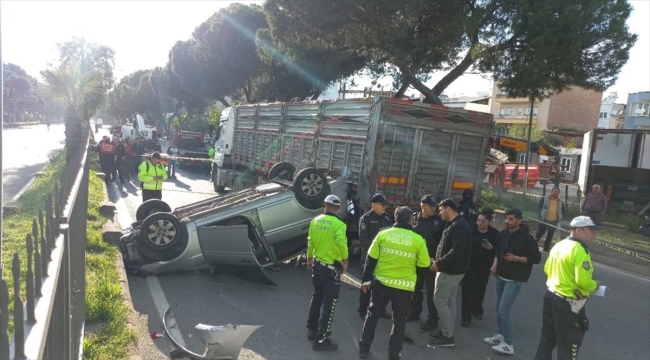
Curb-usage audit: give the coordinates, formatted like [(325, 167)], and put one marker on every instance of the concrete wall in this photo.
[(575, 108)]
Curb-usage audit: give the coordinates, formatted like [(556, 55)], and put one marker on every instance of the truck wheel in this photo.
[(283, 170), (310, 185), (151, 206), (161, 232)]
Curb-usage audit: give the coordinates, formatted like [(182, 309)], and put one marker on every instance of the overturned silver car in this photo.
[(260, 226)]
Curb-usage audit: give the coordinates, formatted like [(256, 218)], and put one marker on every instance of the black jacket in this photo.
[(370, 224), (483, 258), (430, 228), (454, 251), (521, 244), (467, 209)]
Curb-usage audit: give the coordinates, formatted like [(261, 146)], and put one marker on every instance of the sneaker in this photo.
[(311, 335), (504, 348), (494, 340), (443, 341), (478, 317), (325, 345), (465, 323), (435, 334)]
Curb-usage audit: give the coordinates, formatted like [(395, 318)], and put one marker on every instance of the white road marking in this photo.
[(156, 290), (598, 265)]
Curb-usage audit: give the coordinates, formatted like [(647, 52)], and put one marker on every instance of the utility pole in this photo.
[(530, 132)]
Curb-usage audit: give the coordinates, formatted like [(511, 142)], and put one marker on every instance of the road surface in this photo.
[(26, 151), (620, 322)]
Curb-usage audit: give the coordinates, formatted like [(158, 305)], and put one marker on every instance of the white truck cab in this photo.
[(223, 149)]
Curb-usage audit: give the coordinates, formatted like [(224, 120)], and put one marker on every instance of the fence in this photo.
[(50, 323), (571, 194)]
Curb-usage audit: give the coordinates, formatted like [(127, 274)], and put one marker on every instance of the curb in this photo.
[(132, 318)]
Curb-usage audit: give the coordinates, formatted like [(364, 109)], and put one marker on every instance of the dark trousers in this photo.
[(107, 165), (561, 328), (473, 292), (596, 216), (401, 302), (151, 194), (118, 170), (425, 286), (549, 230), (327, 283), (364, 298)]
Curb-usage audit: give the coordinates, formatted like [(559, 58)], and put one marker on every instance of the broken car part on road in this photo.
[(221, 341)]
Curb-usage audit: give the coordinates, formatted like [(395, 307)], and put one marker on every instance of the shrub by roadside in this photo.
[(107, 333), (19, 223)]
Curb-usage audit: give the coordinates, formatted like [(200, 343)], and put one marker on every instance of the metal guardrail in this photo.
[(49, 324)]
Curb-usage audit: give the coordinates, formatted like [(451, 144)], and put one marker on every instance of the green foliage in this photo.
[(557, 44), (520, 131), (18, 224), (108, 335), (22, 99), (581, 42)]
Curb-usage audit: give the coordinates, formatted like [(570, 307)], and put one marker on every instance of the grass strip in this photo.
[(107, 333), (528, 205), (18, 224)]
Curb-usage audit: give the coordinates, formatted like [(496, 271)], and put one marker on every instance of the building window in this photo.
[(520, 112), (640, 109), (566, 165), (522, 158), (506, 111), (501, 130), (527, 111)]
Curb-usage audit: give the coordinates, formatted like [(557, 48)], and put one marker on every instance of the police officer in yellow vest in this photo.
[(394, 257), (151, 174), (569, 270), (327, 258)]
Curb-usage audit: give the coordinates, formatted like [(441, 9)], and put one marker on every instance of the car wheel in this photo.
[(151, 206), (283, 170), (160, 232), (310, 185)]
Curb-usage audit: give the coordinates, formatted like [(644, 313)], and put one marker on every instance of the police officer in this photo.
[(327, 258), (394, 258), (467, 209), (369, 226), (428, 224), (569, 270)]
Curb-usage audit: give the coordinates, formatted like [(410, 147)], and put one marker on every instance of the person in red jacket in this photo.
[(106, 150), (129, 156)]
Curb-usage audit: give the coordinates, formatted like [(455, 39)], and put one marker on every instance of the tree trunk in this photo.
[(317, 94), (223, 101), (430, 96), (402, 90)]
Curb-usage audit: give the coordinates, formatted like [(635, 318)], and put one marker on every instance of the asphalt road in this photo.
[(25, 151), (620, 322)]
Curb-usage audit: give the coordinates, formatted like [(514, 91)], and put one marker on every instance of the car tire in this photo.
[(161, 232), (151, 206), (311, 187), (282, 169)]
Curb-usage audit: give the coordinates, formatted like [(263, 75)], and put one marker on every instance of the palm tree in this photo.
[(79, 92)]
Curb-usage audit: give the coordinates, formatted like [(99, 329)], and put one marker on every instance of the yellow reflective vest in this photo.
[(146, 173)]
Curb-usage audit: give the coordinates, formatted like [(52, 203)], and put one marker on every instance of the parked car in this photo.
[(260, 226)]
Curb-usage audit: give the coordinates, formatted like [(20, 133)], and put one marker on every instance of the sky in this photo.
[(143, 32)]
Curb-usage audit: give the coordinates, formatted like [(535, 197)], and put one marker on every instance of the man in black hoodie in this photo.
[(430, 226), (515, 253), (451, 263)]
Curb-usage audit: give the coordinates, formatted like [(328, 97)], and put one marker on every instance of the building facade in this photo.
[(612, 115), (637, 113), (576, 108)]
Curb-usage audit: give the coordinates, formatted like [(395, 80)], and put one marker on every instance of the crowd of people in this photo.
[(430, 254), (120, 158)]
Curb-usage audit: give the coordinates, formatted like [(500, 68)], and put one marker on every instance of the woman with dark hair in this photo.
[(476, 279)]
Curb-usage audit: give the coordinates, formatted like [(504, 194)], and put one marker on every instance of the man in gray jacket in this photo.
[(549, 212)]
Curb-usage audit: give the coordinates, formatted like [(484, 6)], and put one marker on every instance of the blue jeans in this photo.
[(171, 168), (507, 292)]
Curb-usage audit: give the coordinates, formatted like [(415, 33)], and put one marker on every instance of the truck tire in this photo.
[(284, 170), (160, 236), (151, 206), (311, 187)]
